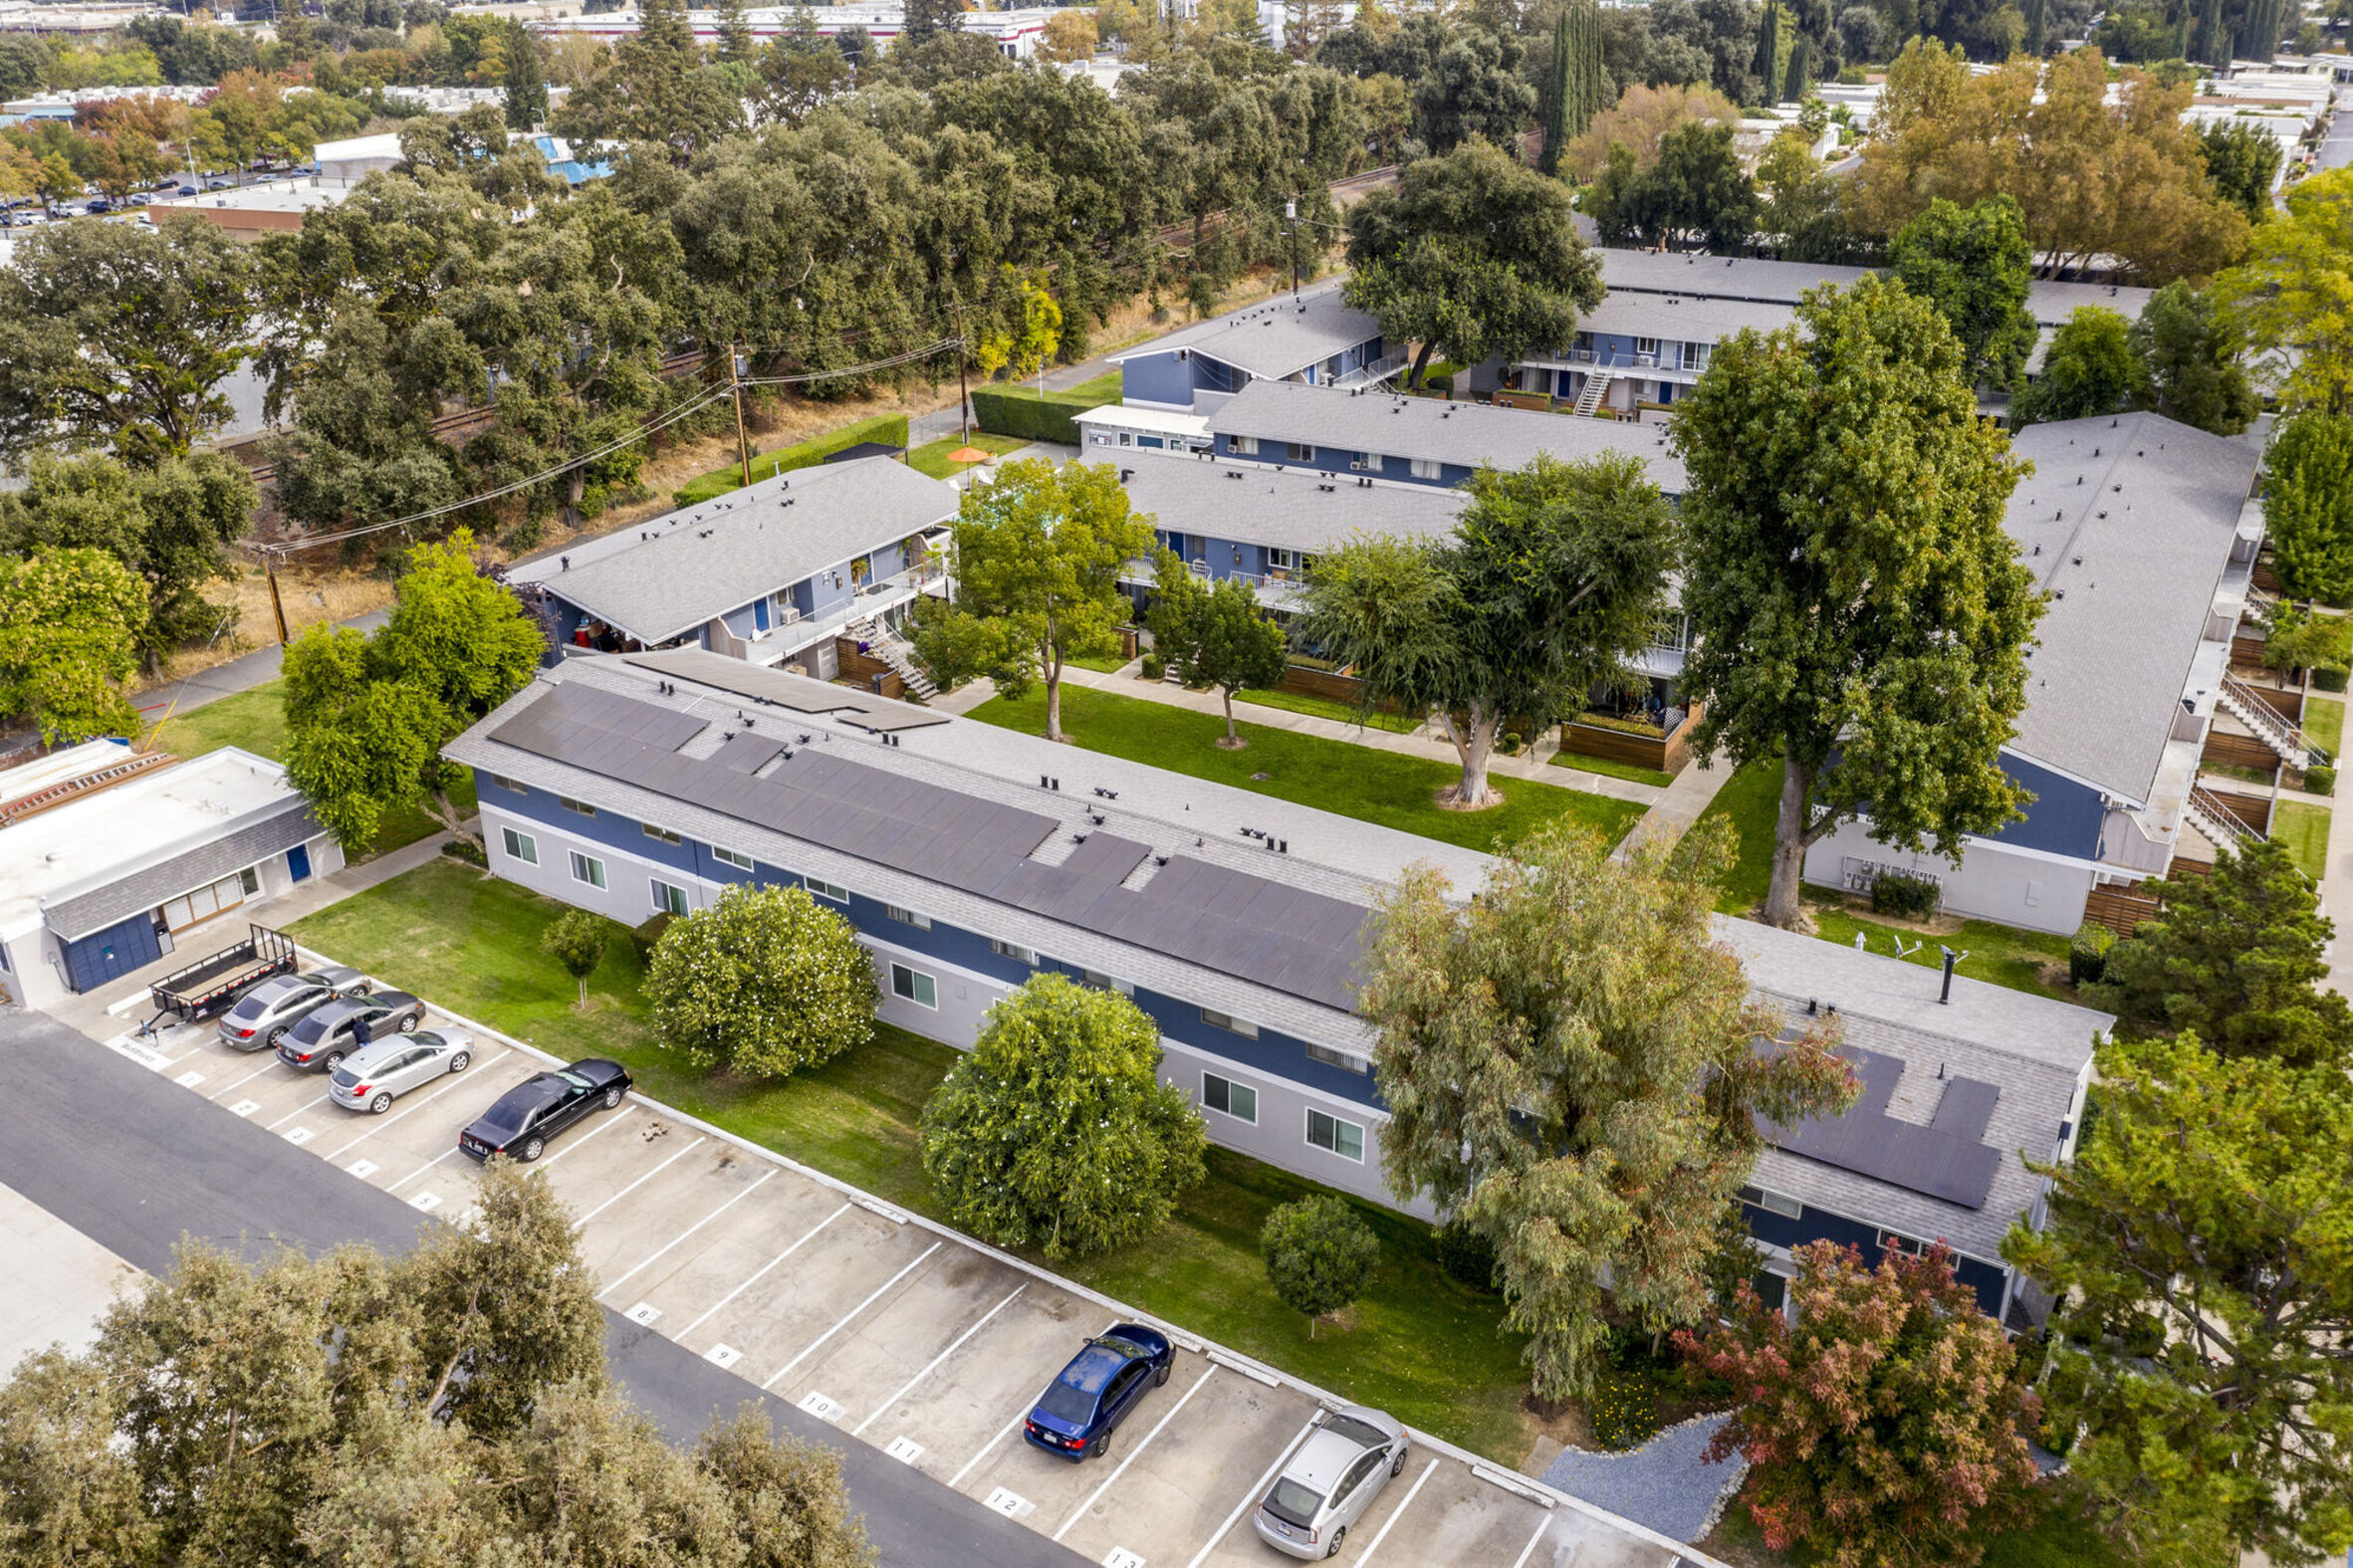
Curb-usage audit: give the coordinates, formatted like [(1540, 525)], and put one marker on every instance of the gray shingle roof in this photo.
[(1424, 427), (80, 912), (1252, 504), (2132, 519), (1278, 338), (677, 571), (1783, 282)]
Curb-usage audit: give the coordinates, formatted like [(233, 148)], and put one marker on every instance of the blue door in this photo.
[(297, 862), (760, 614)]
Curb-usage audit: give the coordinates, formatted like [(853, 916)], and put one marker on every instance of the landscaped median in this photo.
[(1417, 1343)]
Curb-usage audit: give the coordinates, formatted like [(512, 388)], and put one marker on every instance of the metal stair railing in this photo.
[(2273, 727), (2220, 826)]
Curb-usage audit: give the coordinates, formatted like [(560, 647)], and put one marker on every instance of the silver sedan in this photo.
[(1331, 1482), (371, 1077)]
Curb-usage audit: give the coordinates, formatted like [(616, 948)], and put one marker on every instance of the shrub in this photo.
[(765, 982), (1510, 745), (1905, 894), (1154, 667), (1467, 1257), (467, 850), (2321, 781), (1625, 1410), (1319, 1256), (2087, 954), (2329, 677), (1602, 721), (647, 936), (1014, 411)]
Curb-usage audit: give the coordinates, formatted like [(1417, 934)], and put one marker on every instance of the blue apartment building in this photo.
[(970, 858), (1311, 340)]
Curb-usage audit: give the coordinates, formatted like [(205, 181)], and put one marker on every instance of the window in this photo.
[(662, 833), (1228, 1098), (1280, 560), (833, 890), (1772, 1202), (1230, 1023), (1646, 346), (589, 869), (907, 917), (250, 879), (1903, 1243), (1242, 446), (1127, 438), (1102, 982), (668, 898), (1426, 468), (1012, 950), (733, 858), (520, 846), (1345, 1060), (1345, 1139), (580, 807), (919, 989), (1298, 451), (1696, 355), (504, 782)]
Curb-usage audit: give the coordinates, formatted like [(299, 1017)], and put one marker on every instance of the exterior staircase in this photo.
[(1596, 388), (2216, 825), (895, 652), (2274, 729)]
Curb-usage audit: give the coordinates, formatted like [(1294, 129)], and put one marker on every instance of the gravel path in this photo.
[(1662, 1484)]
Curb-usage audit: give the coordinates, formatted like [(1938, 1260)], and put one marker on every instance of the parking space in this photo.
[(904, 1337)]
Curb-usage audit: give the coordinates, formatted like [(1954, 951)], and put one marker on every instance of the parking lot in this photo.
[(901, 1335)]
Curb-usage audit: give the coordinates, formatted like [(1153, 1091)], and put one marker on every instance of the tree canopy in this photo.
[(2089, 369), (1858, 611), (2308, 503), (764, 983), (1694, 196), (2287, 301), (1318, 1255), (1216, 635), (70, 625), (2190, 360), (1975, 265)]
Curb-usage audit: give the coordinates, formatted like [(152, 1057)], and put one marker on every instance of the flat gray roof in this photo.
[(2128, 524), (1277, 338), (665, 578), (1745, 277), (1424, 427), (1294, 510)]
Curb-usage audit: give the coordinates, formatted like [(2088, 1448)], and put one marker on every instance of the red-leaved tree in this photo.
[(1888, 1425)]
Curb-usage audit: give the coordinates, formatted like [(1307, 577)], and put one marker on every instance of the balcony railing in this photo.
[(1379, 370)]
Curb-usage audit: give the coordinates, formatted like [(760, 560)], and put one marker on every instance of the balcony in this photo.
[(1379, 370)]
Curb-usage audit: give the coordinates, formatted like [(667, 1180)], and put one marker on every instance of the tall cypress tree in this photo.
[(1768, 43), (1588, 78), (1800, 80), (2038, 15), (1557, 95), (2207, 44)]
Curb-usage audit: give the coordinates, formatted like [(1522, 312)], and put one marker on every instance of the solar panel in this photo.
[(1967, 1106), (1937, 1160), (747, 753), (800, 693)]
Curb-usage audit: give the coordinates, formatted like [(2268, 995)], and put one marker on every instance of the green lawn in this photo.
[(890, 429), (1327, 708), (1370, 786), (2324, 723), (1419, 1344), (256, 721), (2303, 829), (1100, 663), (1104, 390), (1632, 773), (932, 456), (1752, 798)]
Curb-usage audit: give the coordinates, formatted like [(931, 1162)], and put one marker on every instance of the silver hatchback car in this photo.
[(371, 1077), (1331, 1482)]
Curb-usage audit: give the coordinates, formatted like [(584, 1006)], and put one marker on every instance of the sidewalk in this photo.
[(1680, 804)]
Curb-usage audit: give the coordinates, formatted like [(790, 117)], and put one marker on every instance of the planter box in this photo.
[(1669, 753)]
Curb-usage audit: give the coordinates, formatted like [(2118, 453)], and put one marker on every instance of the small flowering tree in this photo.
[(1887, 1426), (766, 982)]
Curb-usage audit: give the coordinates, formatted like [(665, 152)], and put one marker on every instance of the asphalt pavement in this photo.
[(118, 1152)]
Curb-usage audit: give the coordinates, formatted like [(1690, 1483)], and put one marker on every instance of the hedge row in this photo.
[(1016, 411), (890, 429)]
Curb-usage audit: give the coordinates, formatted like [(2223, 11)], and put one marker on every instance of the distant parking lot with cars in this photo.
[(932, 1348)]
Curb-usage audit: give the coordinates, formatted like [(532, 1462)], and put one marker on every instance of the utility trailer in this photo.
[(212, 984)]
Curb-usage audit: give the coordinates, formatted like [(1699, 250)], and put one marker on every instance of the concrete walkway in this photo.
[(1680, 804)]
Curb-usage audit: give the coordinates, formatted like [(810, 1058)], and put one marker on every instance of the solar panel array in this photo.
[(1942, 1160), (783, 689), (1290, 940)]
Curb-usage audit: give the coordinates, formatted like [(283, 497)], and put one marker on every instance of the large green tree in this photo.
[(1694, 195), (764, 983), (1572, 1068), (1472, 252), (2242, 160), (659, 91), (1217, 635), (2288, 302), (1974, 264), (1859, 611), (2308, 503), (1557, 577), (2090, 370), (70, 625), (2192, 361), (1036, 560), (1054, 1130), (2200, 1356)]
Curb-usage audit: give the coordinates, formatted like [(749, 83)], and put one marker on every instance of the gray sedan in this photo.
[(1331, 1482), (263, 1015), (371, 1078)]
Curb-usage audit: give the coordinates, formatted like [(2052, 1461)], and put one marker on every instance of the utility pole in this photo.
[(963, 386), (277, 604), (1291, 212), (734, 382)]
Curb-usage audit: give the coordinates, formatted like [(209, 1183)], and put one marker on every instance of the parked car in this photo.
[(264, 1014), (372, 1076), (521, 1120), (1078, 1410), (1331, 1481), (323, 1039), (100, 204), (187, 191)]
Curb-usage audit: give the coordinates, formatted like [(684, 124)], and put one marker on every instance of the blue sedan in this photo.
[(1103, 1382)]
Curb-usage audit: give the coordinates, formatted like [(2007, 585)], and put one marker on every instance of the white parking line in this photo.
[(1080, 1512), (420, 1170), (376, 1124), (1528, 1550), (764, 1268), (932, 1365), (1390, 1523), (610, 1122), (248, 1078), (583, 1219), (697, 1226), (843, 1321), (297, 1111), (1249, 1498), (1002, 1432)]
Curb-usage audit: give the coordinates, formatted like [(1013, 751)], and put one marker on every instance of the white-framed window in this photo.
[(1242, 446), (1014, 951), (914, 986), (1298, 451), (577, 808), (1646, 346), (1228, 1098), (668, 898), (732, 857), (1427, 468), (589, 869), (1772, 1202), (520, 846), (662, 833), (1345, 1060), (1230, 1023), (1102, 982), (250, 879), (1281, 559), (1893, 1242), (834, 891), (504, 782), (1127, 438), (1343, 1138), (1697, 355), (907, 917)]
